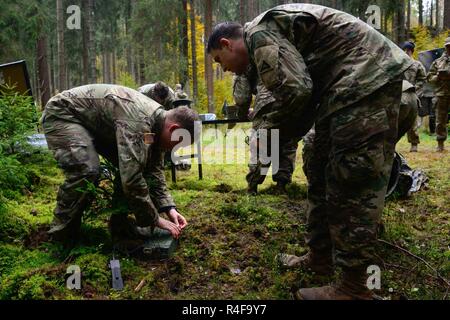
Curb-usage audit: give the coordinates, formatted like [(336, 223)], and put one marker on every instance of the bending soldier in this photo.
[(128, 129), (328, 68)]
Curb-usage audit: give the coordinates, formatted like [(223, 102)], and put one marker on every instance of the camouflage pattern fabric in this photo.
[(417, 76), (243, 88), (327, 68), (148, 90), (408, 119), (348, 160), (441, 87), (442, 90), (294, 46), (113, 121), (442, 110), (287, 157), (179, 93)]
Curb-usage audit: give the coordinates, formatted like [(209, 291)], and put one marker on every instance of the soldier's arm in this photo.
[(156, 181), (432, 76), (420, 79), (242, 94), (131, 154), (282, 71)]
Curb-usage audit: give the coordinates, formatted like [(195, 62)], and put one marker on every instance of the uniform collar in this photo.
[(156, 120)]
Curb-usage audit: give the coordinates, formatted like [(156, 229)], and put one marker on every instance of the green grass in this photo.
[(228, 231)]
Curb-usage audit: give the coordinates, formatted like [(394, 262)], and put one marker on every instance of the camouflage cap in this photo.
[(447, 41)]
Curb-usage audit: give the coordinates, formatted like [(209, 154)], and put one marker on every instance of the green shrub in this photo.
[(18, 116), (13, 177)]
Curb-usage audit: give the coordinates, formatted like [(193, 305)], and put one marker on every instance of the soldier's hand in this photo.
[(177, 218), (169, 226)]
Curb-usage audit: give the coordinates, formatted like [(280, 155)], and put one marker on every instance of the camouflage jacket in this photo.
[(244, 87), (309, 55), (417, 75), (148, 90), (119, 117), (441, 87)]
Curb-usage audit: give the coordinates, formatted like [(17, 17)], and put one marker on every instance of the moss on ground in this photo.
[(228, 250)]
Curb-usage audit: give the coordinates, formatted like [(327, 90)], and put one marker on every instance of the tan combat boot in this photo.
[(319, 263), (414, 148), (352, 287), (440, 147)]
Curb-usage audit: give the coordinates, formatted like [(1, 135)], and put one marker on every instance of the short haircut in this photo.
[(228, 30), (408, 45), (161, 90), (186, 118)]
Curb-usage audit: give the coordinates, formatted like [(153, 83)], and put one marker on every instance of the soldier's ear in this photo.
[(173, 127), (224, 43)]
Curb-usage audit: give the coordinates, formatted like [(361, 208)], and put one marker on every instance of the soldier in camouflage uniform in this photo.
[(128, 129), (160, 92), (439, 77), (243, 89), (179, 93), (409, 107), (417, 76), (329, 68)]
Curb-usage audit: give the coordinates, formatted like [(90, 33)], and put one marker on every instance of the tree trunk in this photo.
[(35, 80), (250, 10), (52, 70), (401, 22), (395, 27), (60, 41), (193, 51), (431, 14), (242, 17), (208, 58), (43, 72), (137, 68), (112, 53), (85, 30), (362, 7), (114, 75), (104, 76), (446, 14), (91, 43), (421, 12), (141, 67), (438, 15), (408, 19), (128, 50), (184, 74), (108, 66)]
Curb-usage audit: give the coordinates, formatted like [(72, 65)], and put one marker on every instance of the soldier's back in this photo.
[(347, 59)]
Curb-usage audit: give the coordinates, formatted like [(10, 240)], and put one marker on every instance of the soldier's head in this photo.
[(227, 47), (408, 47), (447, 45), (161, 91), (179, 128)]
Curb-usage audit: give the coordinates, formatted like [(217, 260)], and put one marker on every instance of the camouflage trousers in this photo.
[(442, 109), (413, 133), (74, 150), (287, 156), (348, 161), (408, 120)]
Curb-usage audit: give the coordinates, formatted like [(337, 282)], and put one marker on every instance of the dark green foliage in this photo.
[(17, 117)]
